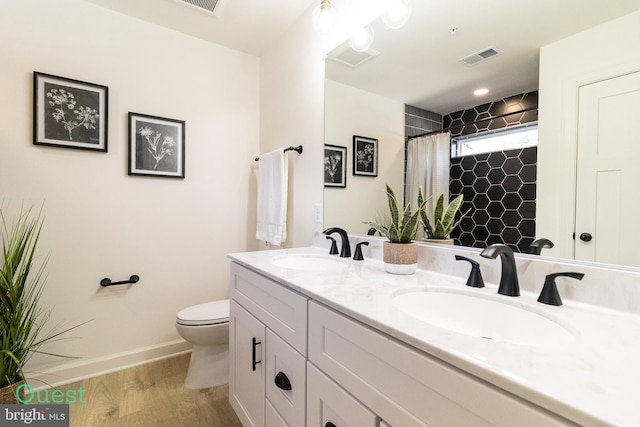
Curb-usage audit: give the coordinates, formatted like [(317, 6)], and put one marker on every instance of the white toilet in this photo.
[(206, 326)]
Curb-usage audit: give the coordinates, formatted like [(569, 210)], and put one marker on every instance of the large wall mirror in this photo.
[(418, 68)]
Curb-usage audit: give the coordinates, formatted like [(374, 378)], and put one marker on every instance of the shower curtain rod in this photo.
[(434, 132)]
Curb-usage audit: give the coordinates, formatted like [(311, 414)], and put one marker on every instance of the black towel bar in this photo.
[(292, 148), (107, 282)]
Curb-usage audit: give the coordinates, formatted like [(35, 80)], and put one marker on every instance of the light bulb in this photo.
[(397, 13), (324, 17), (361, 40)]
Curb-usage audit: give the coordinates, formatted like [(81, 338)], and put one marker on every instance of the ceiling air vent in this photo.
[(351, 58), (481, 56), (213, 7)]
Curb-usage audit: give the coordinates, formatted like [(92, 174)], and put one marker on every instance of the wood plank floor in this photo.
[(150, 395)]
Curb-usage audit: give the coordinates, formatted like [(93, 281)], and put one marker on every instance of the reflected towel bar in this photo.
[(292, 148), (107, 282)]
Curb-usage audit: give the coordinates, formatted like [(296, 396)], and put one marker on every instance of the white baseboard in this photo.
[(88, 368)]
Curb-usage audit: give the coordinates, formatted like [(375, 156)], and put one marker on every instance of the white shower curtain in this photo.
[(428, 166)]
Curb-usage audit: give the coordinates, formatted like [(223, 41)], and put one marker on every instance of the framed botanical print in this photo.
[(69, 113), (156, 146), (365, 156), (335, 166)]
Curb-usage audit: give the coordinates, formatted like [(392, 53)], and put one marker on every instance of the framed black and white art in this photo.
[(156, 146), (69, 113), (335, 166), (365, 156)]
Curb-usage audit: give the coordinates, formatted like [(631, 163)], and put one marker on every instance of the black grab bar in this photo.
[(107, 282)]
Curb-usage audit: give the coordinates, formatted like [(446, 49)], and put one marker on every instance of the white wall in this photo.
[(349, 112), (605, 51), (173, 233), (291, 113)]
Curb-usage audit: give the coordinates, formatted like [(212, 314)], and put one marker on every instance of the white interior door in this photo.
[(608, 171)]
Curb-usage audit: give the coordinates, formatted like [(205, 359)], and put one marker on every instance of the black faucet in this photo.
[(475, 276), (345, 251), (509, 280), (537, 245), (549, 294), (358, 253)]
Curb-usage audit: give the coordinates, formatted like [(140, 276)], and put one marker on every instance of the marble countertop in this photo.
[(591, 378)]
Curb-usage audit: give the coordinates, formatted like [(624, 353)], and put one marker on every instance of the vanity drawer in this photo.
[(329, 404), (280, 309), (271, 417), (285, 364), (406, 387)]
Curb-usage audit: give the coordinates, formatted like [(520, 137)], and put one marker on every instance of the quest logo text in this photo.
[(42, 408)]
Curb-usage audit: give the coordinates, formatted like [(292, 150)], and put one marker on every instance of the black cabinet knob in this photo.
[(586, 237), (282, 381)]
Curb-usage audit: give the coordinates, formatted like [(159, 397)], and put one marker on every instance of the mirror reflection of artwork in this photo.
[(335, 166), (365, 156)]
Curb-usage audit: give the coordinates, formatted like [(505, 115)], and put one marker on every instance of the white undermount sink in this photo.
[(487, 318), (309, 262)]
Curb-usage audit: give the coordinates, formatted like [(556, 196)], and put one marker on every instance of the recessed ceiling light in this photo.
[(481, 91)]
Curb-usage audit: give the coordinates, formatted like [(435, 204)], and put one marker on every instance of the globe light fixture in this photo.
[(397, 13), (361, 40), (324, 17)]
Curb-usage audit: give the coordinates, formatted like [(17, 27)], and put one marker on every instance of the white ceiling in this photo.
[(250, 26), (419, 63)]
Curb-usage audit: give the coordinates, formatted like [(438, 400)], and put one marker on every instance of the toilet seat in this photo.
[(209, 313)]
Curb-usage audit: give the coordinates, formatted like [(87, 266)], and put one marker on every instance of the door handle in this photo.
[(282, 381), (254, 362), (586, 237)]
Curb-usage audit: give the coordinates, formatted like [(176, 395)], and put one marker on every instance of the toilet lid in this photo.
[(205, 314)]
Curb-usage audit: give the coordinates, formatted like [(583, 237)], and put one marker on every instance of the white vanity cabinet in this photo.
[(267, 351), (295, 362), (246, 372), (405, 387)]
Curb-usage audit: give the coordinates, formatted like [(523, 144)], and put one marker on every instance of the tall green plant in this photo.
[(443, 220), (399, 226), (22, 319)]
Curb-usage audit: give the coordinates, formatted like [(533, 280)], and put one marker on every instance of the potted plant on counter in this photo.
[(443, 220), (22, 318), (400, 252)]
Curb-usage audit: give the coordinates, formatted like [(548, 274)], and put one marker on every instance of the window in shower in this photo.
[(502, 140)]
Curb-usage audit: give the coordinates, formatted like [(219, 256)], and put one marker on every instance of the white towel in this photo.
[(272, 198)]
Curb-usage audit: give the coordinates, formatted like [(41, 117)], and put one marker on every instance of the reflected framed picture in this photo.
[(69, 113), (365, 156), (156, 146), (335, 166)]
